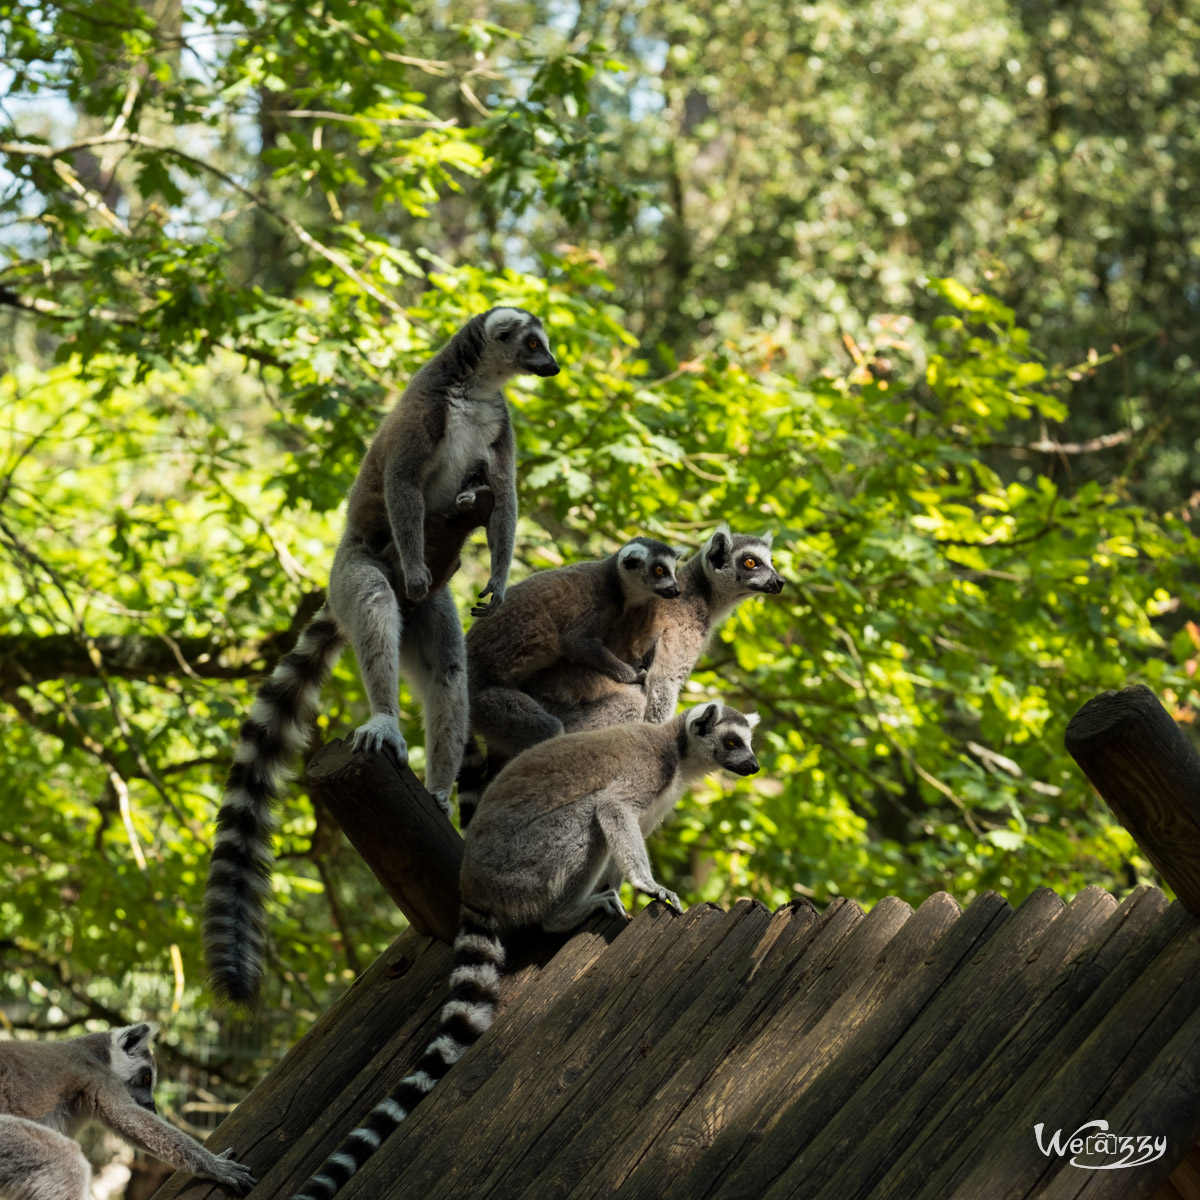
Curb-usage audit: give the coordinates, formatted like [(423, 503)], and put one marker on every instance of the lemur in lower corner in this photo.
[(449, 436), (728, 569), (599, 616), (555, 827), (51, 1090)]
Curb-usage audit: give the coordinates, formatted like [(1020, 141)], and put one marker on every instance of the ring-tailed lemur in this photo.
[(51, 1090), (729, 568), (448, 440), (567, 615), (554, 825)]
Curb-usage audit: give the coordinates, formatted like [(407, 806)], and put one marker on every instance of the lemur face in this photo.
[(647, 569), (520, 341), (744, 561), (133, 1062), (725, 733)]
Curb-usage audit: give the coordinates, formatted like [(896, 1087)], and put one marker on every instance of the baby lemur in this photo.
[(51, 1090), (447, 445), (557, 822), (729, 568), (567, 615)]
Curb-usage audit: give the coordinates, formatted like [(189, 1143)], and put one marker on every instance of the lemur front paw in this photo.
[(496, 591), (382, 730), (442, 800), (236, 1176), (417, 583), (660, 893), (609, 902), (624, 673)]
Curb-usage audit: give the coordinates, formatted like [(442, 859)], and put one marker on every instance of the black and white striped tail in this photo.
[(239, 874), (474, 995), (473, 778)]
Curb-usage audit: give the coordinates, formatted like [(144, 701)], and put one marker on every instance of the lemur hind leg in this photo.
[(511, 720), (366, 608), (434, 657), (37, 1163)]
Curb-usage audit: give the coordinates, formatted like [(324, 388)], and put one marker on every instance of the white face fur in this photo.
[(740, 564), (517, 344), (132, 1062), (725, 734)]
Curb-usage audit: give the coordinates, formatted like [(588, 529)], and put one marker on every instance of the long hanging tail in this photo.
[(239, 874), (471, 1009), (473, 778)]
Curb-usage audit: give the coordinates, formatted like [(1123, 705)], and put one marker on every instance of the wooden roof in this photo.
[(745, 1054)]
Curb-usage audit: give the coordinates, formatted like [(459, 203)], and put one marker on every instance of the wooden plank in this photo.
[(797, 961), (567, 1138), (429, 1157), (1163, 1103), (952, 1035), (402, 835), (720, 1124), (533, 957), (1148, 773), (1184, 1182), (952, 1132), (1099, 1052), (407, 978), (881, 1018)]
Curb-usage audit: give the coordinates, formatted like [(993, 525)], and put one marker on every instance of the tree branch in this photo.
[(333, 257), (25, 658)]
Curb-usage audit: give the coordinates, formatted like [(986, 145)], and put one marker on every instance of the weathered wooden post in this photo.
[(1148, 773), (402, 835)]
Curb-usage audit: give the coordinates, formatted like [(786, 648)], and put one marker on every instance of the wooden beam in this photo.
[(1148, 773), (402, 835)]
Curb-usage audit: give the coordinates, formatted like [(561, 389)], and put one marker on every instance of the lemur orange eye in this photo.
[(750, 563), (659, 571), (731, 742), (532, 343)]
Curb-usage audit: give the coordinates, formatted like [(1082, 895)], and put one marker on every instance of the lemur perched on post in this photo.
[(566, 615), (557, 822), (728, 569), (448, 439), (51, 1090)]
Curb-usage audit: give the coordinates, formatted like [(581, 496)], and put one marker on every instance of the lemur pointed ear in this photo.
[(501, 321), (631, 555), (719, 547), (134, 1037), (768, 537), (752, 719), (702, 719)]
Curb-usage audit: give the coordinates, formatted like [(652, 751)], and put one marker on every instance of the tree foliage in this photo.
[(230, 232)]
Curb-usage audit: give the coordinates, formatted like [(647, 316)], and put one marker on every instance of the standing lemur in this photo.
[(541, 844), (729, 568), (51, 1090), (567, 615), (448, 440)]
